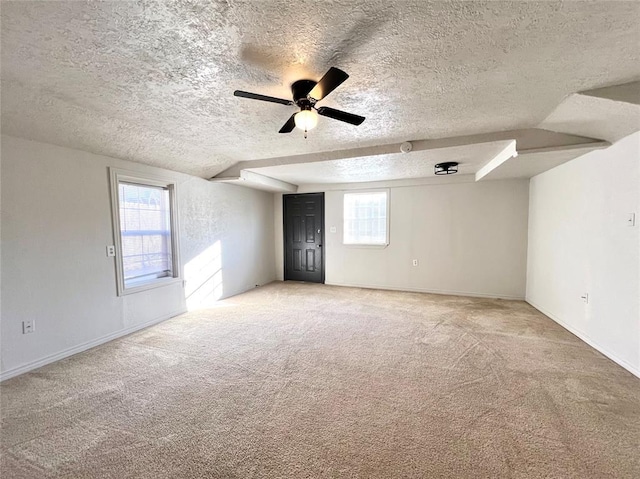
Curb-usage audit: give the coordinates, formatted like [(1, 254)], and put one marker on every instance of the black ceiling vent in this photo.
[(448, 168)]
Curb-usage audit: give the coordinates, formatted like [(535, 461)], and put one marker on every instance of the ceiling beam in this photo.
[(526, 139), (507, 153), (626, 93), (257, 181)]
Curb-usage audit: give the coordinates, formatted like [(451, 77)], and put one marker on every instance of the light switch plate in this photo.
[(28, 327), (631, 221), (333, 229)]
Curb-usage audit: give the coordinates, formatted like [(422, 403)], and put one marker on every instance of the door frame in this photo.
[(284, 234)]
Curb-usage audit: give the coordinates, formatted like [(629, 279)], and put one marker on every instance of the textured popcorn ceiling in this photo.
[(152, 81)]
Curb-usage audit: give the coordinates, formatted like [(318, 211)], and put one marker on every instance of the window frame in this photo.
[(117, 176), (387, 226)]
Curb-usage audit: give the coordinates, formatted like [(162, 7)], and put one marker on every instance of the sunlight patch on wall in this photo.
[(203, 278)]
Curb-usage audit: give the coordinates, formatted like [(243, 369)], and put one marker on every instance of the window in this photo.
[(145, 231), (366, 218)]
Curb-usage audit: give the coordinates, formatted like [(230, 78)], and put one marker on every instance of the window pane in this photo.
[(365, 218), (145, 228)]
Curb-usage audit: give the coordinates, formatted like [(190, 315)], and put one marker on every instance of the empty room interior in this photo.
[(338, 239)]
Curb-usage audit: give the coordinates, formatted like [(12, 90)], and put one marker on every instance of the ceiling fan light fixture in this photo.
[(447, 168), (306, 120)]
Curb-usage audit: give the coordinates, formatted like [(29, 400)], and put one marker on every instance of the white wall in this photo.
[(469, 239), (56, 223), (580, 242)]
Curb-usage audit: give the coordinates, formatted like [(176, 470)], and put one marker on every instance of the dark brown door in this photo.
[(303, 237)]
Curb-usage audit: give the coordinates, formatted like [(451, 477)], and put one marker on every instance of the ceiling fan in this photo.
[(306, 93)]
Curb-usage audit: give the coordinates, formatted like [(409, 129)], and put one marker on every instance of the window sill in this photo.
[(365, 246), (158, 283)]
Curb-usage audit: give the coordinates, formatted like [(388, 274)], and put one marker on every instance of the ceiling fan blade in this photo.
[(289, 125), (340, 115), (255, 96), (329, 82)]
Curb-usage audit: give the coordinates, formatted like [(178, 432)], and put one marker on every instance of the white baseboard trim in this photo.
[(10, 373), (588, 340), (432, 291)]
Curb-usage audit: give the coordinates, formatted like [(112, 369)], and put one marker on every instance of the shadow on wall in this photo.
[(203, 278)]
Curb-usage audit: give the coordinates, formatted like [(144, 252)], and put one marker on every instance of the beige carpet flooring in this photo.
[(297, 380)]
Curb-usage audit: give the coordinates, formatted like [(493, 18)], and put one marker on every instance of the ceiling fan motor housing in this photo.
[(300, 90)]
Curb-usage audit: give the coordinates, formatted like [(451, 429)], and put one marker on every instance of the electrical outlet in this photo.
[(28, 326), (111, 250), (415, 262)]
